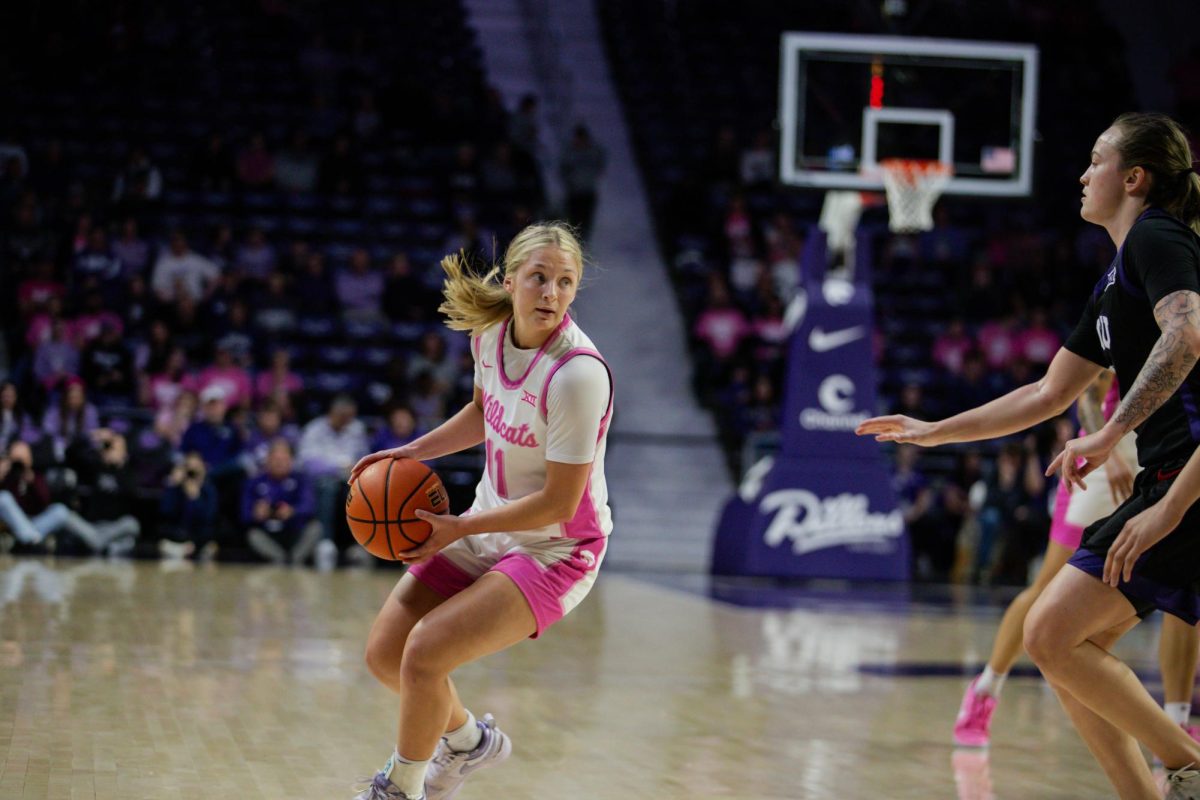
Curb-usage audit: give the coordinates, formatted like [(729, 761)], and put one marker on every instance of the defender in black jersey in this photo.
[(1160, 257), (1144, 320)]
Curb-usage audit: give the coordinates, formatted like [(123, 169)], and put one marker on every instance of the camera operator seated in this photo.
[(26, 509), (277, 507), (188, 511), (112, 490)]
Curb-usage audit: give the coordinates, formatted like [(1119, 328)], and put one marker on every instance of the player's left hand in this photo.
[(1092, 450), (447, 529), (1139, 535)]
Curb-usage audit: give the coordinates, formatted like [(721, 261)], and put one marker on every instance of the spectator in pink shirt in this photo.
[(998, 341), (232, 379), (1038, 343), (94, 318), (721, 327), (278, 383), (42, 324), (161, 390), (951, 346)]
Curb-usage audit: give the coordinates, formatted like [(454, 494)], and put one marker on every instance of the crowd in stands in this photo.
[(215, 312)]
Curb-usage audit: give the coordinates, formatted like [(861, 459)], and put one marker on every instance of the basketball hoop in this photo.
[(913, 186)]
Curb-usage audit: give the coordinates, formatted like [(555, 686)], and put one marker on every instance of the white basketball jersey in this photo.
[(515, 428)]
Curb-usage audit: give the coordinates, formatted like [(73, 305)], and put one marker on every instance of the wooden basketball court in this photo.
[(123, 681)]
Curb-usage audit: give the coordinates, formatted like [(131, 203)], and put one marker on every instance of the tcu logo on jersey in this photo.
[(1103, 332)]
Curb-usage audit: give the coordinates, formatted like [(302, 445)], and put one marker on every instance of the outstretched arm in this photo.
[(1067, 376)]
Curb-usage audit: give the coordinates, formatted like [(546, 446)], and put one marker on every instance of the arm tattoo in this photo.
[(1170, 360), (1088, 407)]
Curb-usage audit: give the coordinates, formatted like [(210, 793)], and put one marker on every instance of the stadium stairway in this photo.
[(665, 470)]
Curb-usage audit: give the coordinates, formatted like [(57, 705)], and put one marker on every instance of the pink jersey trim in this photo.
[(579, 351), (586, 522), (509, 384)]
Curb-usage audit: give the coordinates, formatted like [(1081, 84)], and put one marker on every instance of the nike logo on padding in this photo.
[(820, 341)]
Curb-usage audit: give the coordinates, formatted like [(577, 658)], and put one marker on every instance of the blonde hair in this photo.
[(476, 302)]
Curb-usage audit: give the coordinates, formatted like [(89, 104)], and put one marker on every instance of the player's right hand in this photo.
[(899, 428), (403, 451)]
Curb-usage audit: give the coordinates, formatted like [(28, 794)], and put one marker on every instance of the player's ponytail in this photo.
[(474, 302), (1160, 145), (1189, 204)]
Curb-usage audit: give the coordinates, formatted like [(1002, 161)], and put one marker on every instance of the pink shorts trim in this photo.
[(441, 575), (1061, 531)]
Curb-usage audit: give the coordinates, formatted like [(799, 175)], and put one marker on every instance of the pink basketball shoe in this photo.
[(974, 718)]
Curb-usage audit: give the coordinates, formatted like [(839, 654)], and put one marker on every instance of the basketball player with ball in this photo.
[(529, 548)]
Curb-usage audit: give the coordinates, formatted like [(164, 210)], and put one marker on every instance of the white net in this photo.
[(912, 189)]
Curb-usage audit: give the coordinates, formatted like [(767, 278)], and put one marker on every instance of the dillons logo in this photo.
[(836, 396), (815, 523)]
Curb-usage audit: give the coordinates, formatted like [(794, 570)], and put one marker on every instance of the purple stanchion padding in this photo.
[(824, 506)]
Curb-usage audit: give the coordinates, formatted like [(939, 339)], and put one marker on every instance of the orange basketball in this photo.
[(382, 504)]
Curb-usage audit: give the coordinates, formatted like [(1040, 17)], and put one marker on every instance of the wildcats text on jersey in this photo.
[(494, 414)]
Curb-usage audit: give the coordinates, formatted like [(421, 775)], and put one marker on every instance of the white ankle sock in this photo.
[(1178, 712), (990, 683), (466, 738), (409, 776)]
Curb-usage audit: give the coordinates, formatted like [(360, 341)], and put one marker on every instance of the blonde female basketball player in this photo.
[(1143, 318), (528, 550), (1107, 488)]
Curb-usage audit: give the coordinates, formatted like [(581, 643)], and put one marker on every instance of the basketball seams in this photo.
[(387, 491), (371, 508), (419, 485), (381, 522)]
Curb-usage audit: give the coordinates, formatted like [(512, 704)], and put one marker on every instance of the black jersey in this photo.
[(1160, 255)]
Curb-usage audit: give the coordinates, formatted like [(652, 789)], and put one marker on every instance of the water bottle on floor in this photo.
[(326, 555)]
